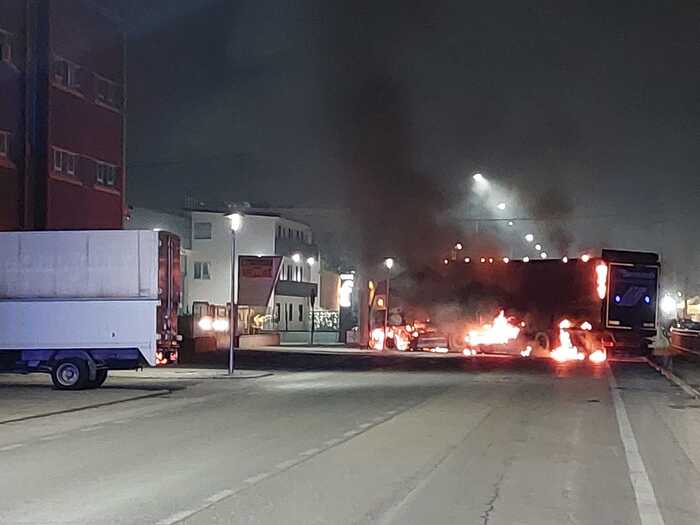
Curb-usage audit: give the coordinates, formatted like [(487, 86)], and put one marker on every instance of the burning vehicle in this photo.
[(564, 309)]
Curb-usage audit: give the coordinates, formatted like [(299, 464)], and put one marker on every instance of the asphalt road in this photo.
[(430, 442)]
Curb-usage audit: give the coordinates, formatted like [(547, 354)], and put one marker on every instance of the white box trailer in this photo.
[(76, 304)]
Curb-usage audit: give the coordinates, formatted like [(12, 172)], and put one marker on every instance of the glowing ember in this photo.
[(469, 352), (598, 356), (586, 326), (601, 272), (500, 332), (566, 351), (439, 350)]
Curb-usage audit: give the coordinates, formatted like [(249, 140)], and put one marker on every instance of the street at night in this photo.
[(400, 439), (349, 262)]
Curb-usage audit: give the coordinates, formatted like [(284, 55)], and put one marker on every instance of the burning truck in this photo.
[(564, 309)]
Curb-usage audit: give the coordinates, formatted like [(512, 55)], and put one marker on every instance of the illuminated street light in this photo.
[(445, 261), (501, 206), (458, 246), (526, 259), (538, 247), (389, 263), (565, 259), (506, 260), (478, 177), (310, 261), (467, 260), (510, 223), (585, 257), (543, 255), (236, 220), (529, 237), (296, 257)]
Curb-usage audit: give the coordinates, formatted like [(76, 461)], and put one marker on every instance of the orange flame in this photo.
[(566, 351), (601, 272), (597, 357), (500, 332)]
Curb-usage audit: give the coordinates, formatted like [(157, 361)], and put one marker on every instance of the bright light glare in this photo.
[(501, 206), (467, 260), (526, 352), (585, 257), (506, 260), (389, 263), (565, 259), (538, 247), (458, 246), (586, 326), (526, 259), (529, 237), (220, 325), (296, 257), (310, 261), (510, 223), (478, 177), (543, 255), (668, 305), (205, 323), (236, 221)]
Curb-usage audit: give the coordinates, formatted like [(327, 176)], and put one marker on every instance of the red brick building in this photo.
[(61, 117)]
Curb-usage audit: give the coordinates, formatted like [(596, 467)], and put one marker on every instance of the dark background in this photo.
[(586, 114)]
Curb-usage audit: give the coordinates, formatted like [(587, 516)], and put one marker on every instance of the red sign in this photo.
[(257, 277)]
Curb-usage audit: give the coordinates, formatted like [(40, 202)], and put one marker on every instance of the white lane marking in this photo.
[(286, 464), (365, 425), (220, 495), (254, 479), (391, 412), (352, 432), (310, 452), (51, 438), (11, 447), (178, 516), (648, 508), (332, 442)]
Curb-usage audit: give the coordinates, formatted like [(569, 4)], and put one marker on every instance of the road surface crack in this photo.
[(491, 503)]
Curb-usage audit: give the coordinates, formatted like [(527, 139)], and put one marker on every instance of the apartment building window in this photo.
[(4, 144), (202, 271), (289, 312), (289, 273), (279, 231), (66, 74), (5, 47), (107, 92), (277, 313), (106, 174), (202, 230), (301, 274), (64, 162), (301, 313)]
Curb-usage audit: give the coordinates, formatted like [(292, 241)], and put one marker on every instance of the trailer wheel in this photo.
[(70, 374), (100, 378)]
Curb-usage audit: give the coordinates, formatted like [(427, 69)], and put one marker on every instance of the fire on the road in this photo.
[(566, 351), (500, 332)]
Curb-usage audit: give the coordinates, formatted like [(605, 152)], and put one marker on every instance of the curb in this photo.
[(157, 393), (691, 391)]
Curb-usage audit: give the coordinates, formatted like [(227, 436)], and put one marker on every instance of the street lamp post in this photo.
[(389, 264), (236, 222), (311, 261)]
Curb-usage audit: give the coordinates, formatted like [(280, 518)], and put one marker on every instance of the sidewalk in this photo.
[(188, 372)]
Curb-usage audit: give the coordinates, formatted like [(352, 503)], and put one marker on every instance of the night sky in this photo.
[(585, 117)]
